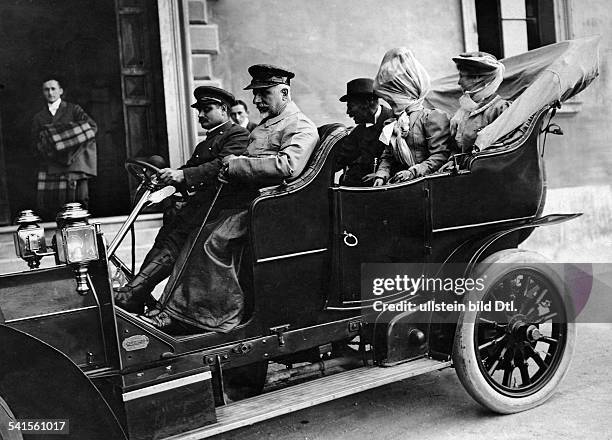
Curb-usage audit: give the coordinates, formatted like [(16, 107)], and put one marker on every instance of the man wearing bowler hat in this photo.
[(359, 151), (197, 179), (208, 295)]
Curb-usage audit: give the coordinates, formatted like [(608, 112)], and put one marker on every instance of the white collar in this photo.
[(54, 106), (376, 116), (245, 123)]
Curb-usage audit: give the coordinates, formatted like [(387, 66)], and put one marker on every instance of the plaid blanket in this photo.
[(56, 189), (60, 142)]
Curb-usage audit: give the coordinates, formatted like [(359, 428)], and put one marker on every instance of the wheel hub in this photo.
[(522, 331)]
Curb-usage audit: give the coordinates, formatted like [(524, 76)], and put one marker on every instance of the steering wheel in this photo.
[(145, 172)]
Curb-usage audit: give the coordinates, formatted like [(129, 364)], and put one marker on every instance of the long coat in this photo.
[(203, 167), (201, 172), (466, 132), (429, 141), (278, 149)]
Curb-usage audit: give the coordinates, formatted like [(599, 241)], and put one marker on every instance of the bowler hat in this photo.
[(358, 87), (266, 75), (212, 95), (476, 62)]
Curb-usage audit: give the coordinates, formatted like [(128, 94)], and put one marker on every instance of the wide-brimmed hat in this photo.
[(267, 75), (212, 95), (359, 87), (477, 62)]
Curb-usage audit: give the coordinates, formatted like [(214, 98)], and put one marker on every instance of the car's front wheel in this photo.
[(7, 429), (513, 360)]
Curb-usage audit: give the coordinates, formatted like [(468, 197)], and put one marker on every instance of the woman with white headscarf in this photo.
[(417, 143), (480, 74)]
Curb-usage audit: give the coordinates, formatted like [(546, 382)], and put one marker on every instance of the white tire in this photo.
[(510, 362)]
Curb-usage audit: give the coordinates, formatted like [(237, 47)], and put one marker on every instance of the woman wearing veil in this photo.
[(480, 75), (417, 143)]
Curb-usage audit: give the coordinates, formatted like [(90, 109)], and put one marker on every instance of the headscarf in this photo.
[(403, 82), (491, 73)]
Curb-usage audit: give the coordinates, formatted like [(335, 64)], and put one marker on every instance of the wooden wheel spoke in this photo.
[(536, 301), (526, 380), (507, 376), (497, 361), (492, 342), (545, 317), (533, 354), (549, 340), (489, 322)]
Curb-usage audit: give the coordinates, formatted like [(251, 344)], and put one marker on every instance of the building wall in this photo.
[(583, 155), (329, 42)]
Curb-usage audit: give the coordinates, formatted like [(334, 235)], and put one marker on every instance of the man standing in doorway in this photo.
[(63, 136)]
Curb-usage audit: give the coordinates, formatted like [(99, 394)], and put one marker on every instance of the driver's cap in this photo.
[(212, 95)]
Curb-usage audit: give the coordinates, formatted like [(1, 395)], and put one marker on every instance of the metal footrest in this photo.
[(266, 406)]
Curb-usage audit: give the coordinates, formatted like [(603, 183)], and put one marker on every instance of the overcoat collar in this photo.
[(218, 129), (290, 109)]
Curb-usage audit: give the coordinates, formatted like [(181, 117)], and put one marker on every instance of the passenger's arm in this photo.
[(386, 164), (198, 175), (298, 141), (493, 112), (438, 138)]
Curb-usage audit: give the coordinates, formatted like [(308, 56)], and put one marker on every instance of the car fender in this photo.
[(39, 382), (578, 277)]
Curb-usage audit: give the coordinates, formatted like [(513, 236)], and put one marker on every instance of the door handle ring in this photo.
[(350, 240)]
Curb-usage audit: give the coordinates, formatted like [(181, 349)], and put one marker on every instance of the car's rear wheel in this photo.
[(7, 416), (511, 361)]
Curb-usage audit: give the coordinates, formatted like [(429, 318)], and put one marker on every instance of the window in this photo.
[(508, 27)]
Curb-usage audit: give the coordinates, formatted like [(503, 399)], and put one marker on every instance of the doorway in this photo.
[(79, 42)]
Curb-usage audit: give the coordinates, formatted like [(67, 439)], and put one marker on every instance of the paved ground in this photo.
[(435, 406)]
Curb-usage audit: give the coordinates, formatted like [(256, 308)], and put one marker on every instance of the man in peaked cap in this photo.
[(197, 178), (279, 148), (359, 151)]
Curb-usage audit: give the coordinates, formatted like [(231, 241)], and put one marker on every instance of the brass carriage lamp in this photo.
[(29, 238), (76, 242)]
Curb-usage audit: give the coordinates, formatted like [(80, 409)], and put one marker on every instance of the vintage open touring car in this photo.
[(67, 354)]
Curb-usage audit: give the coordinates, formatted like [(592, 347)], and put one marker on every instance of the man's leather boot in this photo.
[(156, 267)]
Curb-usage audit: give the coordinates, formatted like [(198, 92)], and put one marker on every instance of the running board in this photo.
[(293, 398)]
